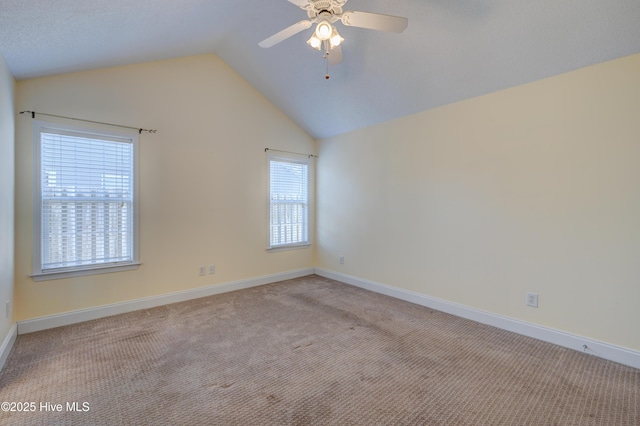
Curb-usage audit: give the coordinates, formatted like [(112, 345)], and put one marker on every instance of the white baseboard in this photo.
[(601, 349), (74, 317), (7, 345)]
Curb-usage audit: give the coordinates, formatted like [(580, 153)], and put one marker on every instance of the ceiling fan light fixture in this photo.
[(314, 42), (324, 30), (336, 39)]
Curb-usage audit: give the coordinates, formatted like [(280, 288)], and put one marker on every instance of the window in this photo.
[(85, 208), (288, 202)]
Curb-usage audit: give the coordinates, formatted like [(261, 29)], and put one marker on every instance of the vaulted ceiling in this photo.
[(451, 50)]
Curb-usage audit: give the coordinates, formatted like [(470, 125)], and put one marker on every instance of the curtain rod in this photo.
[(290, 152), (140, 130)]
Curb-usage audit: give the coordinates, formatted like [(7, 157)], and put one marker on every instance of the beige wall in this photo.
[(534, 188), (7, 204), (203, 178)]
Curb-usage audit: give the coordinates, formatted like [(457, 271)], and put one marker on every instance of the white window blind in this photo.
[(288, 202), (87, 200)]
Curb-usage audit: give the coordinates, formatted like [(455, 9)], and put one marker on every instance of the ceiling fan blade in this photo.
[(375, 21), (335, 55), (285, 34), (303, 4)]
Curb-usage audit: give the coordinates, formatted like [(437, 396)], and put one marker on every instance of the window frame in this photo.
[(38, 274), (299, 159)]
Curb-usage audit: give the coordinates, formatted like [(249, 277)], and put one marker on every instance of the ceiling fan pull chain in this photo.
[(325, 44), (327, 76)]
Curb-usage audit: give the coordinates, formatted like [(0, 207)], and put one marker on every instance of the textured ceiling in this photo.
[(451, 50)]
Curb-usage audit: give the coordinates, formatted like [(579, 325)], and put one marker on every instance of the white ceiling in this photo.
[(451, 50)]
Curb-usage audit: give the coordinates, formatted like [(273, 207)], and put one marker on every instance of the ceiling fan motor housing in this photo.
[(330, 10)]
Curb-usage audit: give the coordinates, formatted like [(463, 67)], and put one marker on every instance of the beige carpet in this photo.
[(308, 351)]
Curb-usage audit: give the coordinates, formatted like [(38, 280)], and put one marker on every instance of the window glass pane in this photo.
[(289, 187), (86, 200)]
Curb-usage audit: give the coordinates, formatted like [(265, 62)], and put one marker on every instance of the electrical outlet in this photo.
[(212, 269), (202, 271), (341, 260), (532, 300)]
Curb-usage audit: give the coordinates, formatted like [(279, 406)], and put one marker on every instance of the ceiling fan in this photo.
[(326, 37)]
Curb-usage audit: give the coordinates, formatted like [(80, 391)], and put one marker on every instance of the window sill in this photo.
[(289, 247), (57, 275)]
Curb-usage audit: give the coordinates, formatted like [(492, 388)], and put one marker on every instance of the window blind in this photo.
[(289, 202), (87, 200)]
